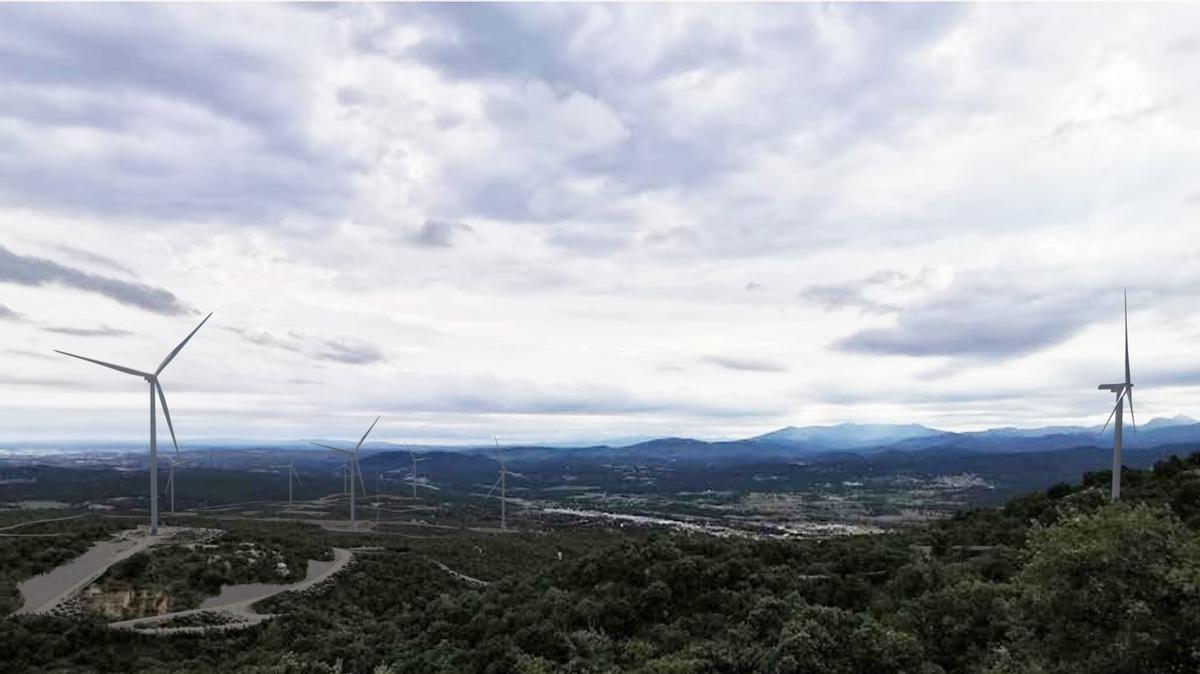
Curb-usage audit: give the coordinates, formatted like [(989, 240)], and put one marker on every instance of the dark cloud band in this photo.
[(979, 317), (35, 271), (745, 364), (332, 350)]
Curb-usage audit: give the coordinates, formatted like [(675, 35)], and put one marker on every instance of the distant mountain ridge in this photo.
[(870, 438), (1164, 422), (848, 436)]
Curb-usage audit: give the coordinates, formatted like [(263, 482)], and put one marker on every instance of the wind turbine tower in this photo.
[(412, 475), (156, 389), (1122, 390), (353, 467), (291, 473), (378, 494), (503, 484)]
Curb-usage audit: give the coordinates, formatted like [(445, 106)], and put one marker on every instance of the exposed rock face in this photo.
[(119, 604)]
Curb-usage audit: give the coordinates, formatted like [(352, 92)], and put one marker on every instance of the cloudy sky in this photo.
[(563, 223)]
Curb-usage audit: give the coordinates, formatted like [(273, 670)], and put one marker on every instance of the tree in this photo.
[(1102, 592), (827, 640), (962, 624)]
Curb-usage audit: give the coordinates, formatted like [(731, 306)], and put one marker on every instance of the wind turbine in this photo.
[(171, 478), (503, 484), (412, 475), (291, 467), (353, 454), (1122, 390), (378, 494), (155, 388)]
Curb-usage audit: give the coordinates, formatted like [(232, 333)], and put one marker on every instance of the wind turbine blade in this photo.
[(176, 350), (493, 488), (118, 368), (364, 437), (516, 475), (297, 476), (1132, 419), (336, 449), (1128, 381), (162, 398), (1116, 407), (362, 484)]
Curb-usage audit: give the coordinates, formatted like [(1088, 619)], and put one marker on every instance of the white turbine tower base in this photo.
[(155, 390), (1122, 390), (291, 472)]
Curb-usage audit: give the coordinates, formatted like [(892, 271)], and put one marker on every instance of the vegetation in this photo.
[(201, 619), (1057, 582)]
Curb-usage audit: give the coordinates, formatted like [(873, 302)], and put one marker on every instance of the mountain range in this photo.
[(872, 438), (869, 438)]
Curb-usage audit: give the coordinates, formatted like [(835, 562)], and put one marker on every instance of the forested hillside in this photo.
[(1060, 581)]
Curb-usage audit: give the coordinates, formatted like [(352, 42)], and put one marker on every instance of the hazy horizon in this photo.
[(202, 443)]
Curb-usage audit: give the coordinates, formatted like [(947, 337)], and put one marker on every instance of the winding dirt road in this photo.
[(459, 575), (44, 592), (235, 601), (52, 519)]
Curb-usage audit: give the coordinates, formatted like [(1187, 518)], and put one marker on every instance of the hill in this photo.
[(847, 436)]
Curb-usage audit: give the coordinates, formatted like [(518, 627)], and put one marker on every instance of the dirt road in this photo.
[(43, 592), (52, 519), (235, 601)]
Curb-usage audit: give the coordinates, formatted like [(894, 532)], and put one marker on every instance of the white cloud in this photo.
[(595, 188)]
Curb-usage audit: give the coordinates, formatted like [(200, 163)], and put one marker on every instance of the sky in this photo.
[(579, 223)]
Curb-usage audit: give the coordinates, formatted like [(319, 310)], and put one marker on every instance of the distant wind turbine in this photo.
[(155, 389), (503, 484), (412, 475), (1122, 390), (171, 478), (291, 473), (353, 454)]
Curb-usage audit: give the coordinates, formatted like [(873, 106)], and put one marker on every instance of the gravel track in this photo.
[(236, 600)]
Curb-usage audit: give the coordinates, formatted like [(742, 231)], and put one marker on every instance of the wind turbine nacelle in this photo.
[(1115, 388)]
